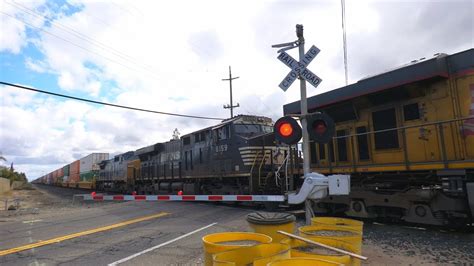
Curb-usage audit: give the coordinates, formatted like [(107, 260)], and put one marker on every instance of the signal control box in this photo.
[(339, 184)]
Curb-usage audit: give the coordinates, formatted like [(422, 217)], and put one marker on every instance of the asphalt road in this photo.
[(106, 247), (384, 244)]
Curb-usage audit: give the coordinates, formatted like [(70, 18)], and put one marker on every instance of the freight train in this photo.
[(78, 174), (405, 136)]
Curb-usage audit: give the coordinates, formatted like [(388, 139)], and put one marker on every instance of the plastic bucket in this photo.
[(332, 232), (297, 252), (326, 233), (258, 255), (342, 222), (220, 242), (269, 223), (302, 262)]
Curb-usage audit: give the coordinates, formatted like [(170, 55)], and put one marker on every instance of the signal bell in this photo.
[(320, 127), (287, 130)]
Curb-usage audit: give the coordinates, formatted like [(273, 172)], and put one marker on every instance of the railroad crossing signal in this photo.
[(299, 68), (320, 129)]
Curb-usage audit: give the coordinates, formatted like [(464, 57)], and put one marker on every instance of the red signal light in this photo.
[(285, 129), (320, 127)]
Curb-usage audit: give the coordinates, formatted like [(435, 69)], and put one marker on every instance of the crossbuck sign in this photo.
[(299, 68)]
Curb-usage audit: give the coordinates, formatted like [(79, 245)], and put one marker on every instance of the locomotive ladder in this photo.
[(259, 179), (257, 165)]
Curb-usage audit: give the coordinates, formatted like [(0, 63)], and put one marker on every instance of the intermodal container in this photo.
[(91, 162), (74, 178), (55, 174), (55, 177), (89, 176), (60, 172), (66, 173), (50, 179), (60, 178), (74, 167), (66, 170)]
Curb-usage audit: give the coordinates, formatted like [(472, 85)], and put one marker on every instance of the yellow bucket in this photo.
[(302, 262), (220, 242), (318, 232), (296, 244), (325, 234), (269, 223), (258, 255), (342, 222)]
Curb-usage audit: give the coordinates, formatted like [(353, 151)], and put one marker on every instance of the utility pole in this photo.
[(344, 42), (231, 106), (304, 104), (309, 213)]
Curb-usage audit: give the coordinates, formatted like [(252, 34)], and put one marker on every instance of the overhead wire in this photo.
[(80, 35), (90, 40), (77, 45), (107, 104)]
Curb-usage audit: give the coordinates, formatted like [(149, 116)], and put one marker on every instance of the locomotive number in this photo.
[(221, 148)]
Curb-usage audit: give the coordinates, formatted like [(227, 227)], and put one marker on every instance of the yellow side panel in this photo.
[(133, 168), (466, 99), (427, 145), (393, 156)]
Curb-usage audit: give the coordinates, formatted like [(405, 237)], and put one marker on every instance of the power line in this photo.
[(71, 42), (86, 38), (79, 35), (108, 104)]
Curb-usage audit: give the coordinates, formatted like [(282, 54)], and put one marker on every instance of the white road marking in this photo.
[(159, 246), (32, 221)]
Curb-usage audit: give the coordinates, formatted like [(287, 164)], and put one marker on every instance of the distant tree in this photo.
[(12, 175)]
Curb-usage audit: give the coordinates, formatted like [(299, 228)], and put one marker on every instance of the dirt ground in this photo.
[(28, 199), (42, 201), (383, 244)]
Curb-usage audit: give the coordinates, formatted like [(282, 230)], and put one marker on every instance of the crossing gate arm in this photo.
[(243, 198), (315, 186)]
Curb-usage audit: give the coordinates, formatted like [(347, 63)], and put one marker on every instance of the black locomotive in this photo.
[(237, 156)]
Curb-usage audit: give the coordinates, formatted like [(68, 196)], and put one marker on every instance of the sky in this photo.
[(171, 56)]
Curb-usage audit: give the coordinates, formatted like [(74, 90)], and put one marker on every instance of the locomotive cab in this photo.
[(244, 152)]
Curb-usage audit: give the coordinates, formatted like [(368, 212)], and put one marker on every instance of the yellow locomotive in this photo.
[(406, 136)]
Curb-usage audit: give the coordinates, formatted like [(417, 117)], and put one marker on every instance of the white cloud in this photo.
[(13, 31), (37, 66), (12, 36)]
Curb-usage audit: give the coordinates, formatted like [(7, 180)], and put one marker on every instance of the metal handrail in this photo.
[(251, 170), (253, 164), (406, 127), (438, 128), (260, 167)]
